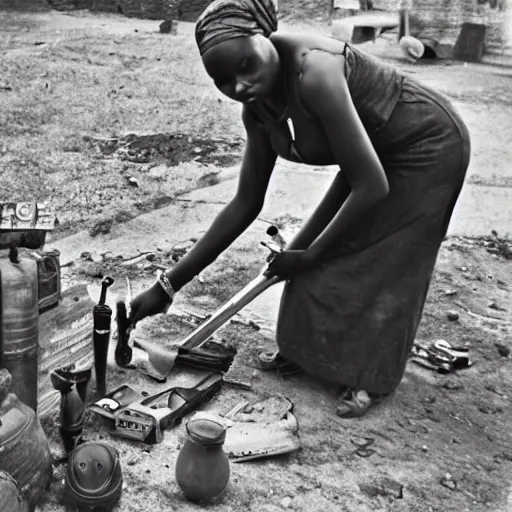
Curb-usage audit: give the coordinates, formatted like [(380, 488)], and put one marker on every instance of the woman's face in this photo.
[(245, 68)]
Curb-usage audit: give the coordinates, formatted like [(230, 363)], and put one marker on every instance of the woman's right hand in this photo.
[(151, 301)]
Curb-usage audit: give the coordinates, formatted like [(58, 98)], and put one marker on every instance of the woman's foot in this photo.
[(354, 404), (274, 361)]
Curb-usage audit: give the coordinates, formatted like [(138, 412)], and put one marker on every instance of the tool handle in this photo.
[(123, 352), (105, 283), (200, 335)]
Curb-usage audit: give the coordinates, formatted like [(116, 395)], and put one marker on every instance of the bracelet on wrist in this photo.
[(166, 285)]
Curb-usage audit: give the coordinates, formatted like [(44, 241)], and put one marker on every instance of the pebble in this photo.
[(493, 305), (448, 482), (450, 293), (151, 256), (286, 502), (452, 385), (452, 315), (424, 448), (362, 442), (86, 256), (503, 351)]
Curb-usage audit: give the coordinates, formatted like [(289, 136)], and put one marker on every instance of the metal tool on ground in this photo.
[(102, 316), (135, 415), (441, 356), (188, 350), (256, 287), (163, 359), (72, 384), (123, 352)]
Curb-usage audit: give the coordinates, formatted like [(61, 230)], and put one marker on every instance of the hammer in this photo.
[(163, 358)]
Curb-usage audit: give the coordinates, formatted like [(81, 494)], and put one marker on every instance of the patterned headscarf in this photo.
[(228, 19)]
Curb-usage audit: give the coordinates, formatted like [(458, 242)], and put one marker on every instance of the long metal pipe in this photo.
[(257, 286), (202, 333)]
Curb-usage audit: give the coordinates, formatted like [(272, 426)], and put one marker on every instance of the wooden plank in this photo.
[(65, 337), (383, 20), (470, 44)]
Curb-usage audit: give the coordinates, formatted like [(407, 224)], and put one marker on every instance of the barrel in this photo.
[(19, 321)]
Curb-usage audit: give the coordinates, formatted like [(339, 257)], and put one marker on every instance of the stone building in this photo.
[(441, 20)]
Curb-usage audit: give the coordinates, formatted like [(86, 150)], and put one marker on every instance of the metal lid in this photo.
[(206, 429)]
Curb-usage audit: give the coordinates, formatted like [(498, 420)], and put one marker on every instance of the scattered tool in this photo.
[(71, 382), (144, 418), (199, 336), (163, 358), (102, 316), (441, 356), (123, 353), (188, 350)]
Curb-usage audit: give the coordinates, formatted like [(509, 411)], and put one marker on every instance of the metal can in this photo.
[(19, 321)]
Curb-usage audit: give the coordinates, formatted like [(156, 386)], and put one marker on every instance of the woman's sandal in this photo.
[(354, 404), (274, 361)]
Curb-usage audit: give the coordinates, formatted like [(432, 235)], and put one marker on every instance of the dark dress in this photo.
[(354, 317)]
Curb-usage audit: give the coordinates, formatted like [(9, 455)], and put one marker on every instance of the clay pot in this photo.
[(24, 449), (11, 497), (202, 467)]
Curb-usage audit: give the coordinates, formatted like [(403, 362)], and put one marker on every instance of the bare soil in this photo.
[(107, 118), (442, 442)]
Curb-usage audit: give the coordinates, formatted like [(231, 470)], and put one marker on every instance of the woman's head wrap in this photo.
[(227, 19)]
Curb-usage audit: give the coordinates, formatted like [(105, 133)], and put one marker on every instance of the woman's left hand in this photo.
[(288, 264)]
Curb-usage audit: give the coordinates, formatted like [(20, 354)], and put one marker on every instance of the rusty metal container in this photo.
[(19, 323), (24, 449), (11, 497)]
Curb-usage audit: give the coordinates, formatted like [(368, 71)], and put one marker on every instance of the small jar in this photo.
[(202, 468)]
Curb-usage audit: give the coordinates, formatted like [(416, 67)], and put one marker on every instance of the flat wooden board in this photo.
[(65, 337), (373, 20)]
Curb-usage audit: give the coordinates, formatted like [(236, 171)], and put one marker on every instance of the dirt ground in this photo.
[(107, 118)]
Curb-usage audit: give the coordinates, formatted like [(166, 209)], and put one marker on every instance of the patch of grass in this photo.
[(86, 81)]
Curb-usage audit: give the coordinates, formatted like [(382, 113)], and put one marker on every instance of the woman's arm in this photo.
[(257, 165), (325, 93), (338, 192)]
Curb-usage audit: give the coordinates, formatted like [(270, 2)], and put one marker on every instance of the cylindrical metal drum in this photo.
[(19, 321)]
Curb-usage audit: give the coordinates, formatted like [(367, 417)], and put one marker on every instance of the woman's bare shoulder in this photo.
[(295, 47)]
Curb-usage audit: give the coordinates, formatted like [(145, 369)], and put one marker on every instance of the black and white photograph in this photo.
[(256, 255)]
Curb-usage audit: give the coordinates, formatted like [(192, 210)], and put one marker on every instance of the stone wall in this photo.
[(441, 19), (24, 5), (185, 10)]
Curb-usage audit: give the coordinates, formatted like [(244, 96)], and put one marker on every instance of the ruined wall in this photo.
[(25, 5), (441, 19), (185, 10)]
